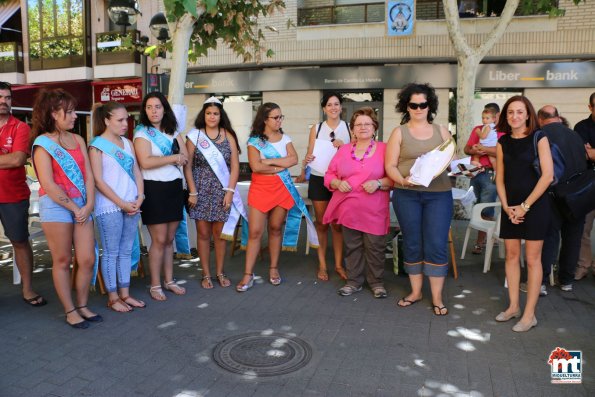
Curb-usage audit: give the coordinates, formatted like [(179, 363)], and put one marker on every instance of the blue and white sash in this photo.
[(294, 215), (157, 138), (74, 174), (217, 163), (124, 160)]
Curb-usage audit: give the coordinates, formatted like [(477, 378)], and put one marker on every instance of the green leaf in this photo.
[(211, 5), (190, 6)]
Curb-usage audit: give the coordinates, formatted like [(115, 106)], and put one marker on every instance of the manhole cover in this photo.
[(262, 355)]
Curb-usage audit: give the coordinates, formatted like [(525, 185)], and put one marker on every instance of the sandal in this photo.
[(275, 280), (206, 282), (404, 302), (114, 304), (157, 293), (224, 281), (175, 288), (477, 249), (322, 275), (241, 287), (36, 301), (341, 272), (130, 301), (440, 310)]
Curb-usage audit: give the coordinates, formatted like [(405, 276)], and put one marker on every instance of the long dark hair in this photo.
[(101, 112), (169, 123), (224, 122), (328, 95), (47, 102), (531, 123), (415, 88), (257, 129)]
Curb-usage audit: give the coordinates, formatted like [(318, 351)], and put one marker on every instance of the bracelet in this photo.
[(228, 189), (193, 194), (379, 183), (526, 207)]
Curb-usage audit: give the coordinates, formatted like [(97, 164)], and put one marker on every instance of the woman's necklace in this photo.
[(366, 153), (217, 137)]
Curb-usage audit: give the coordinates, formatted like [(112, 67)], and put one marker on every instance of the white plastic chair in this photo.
[(484, 225)]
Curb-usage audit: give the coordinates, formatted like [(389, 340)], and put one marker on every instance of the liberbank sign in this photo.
[(512, 75)]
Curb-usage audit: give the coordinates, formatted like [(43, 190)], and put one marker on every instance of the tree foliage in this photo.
[(232, 22)]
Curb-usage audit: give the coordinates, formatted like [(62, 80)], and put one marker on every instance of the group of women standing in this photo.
[(117, 181)]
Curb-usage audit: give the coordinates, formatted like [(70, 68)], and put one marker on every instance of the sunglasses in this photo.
[(415, 106), (332, 136)]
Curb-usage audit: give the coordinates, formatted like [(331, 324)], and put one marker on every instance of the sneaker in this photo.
[(566, 287), (523, 287), (580, 273), (179, 255), (543, 290), (379, 293), (347, 290)]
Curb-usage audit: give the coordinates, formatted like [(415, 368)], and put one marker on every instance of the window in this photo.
[(57, 37), (331, 12)]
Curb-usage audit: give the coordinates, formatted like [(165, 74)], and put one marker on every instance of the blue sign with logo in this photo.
[(400, 17)]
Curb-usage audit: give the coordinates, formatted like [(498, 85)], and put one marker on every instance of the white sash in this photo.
[(217, 163)]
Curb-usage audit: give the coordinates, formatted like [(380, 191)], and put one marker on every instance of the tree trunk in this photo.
[(181, 43), (466, 74), (468, 59)]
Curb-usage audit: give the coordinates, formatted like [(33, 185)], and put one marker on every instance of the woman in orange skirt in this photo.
[(268, 198)]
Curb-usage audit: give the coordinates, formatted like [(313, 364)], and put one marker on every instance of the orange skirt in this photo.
[(267, 192)]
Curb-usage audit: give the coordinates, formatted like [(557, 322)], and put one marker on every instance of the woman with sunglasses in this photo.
[(359, 204), (335, 131), (160, 152), (424, 213), (212, 174), (272, 194)]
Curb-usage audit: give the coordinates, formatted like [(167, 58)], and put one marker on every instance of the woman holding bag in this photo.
[(156, 141), (212, 175), (526, 208), (333, 133)]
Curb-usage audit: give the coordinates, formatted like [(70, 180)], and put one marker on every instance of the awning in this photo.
[(23, 96), (8, 10)]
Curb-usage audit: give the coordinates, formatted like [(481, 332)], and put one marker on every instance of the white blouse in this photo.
[(166, 173)]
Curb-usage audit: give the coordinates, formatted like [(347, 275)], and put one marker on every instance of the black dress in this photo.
[(519, 180)]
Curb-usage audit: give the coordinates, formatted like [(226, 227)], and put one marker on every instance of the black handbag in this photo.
[(576, 196), (175, 149)]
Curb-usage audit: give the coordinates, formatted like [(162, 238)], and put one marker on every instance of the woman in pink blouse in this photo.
[(359, 204)]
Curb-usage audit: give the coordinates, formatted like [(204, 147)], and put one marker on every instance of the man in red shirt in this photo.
[(14, 192)]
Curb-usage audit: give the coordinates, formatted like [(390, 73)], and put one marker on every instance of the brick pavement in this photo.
[(361, 346)]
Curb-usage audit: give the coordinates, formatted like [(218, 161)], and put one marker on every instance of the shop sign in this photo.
[(125, 92)]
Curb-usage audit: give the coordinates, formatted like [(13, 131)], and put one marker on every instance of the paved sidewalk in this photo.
[(361, 346)]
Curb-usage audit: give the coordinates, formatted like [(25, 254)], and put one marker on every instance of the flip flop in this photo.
[(405, 300), (36, 301), (440, 308)]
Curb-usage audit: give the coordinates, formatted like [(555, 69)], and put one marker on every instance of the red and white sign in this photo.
[(129, 91)]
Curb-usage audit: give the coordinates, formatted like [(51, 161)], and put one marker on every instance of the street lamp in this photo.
[(124, 13)]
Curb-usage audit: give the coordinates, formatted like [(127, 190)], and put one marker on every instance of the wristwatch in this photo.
[(379, 183)]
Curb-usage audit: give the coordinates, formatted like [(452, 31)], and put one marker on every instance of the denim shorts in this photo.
[(50, 211)]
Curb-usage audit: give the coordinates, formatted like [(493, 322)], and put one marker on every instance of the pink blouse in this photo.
[(358, 210)]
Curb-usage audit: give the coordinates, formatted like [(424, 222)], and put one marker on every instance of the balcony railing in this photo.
[(433, 9), (331, 15), (11, 58), (115, 47)]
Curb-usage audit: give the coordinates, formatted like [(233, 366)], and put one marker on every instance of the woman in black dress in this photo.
[(526, 209)]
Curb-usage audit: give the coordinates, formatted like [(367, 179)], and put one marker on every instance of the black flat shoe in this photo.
[(80, 325), (94, 319)]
